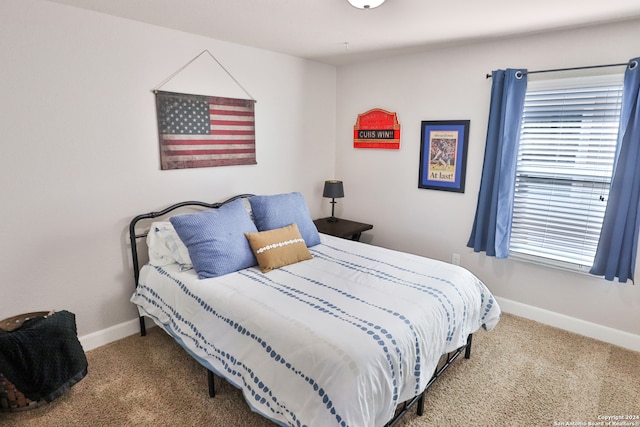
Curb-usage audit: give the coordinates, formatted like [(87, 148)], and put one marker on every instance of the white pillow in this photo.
[(165, 246)]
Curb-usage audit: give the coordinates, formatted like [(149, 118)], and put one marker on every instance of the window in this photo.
[(565, 161)]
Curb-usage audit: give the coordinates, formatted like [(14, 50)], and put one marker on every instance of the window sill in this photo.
[(548, 262)]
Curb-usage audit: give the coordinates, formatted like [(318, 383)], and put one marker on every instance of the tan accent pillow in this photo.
[(278, 247)]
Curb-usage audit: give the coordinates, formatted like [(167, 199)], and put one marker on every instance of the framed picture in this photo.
[(443, 155)]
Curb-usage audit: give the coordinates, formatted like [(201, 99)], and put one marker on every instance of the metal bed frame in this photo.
[(445, 361)]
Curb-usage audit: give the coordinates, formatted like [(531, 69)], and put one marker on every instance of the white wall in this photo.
[(447, 84), (79, 147), (80, 157)]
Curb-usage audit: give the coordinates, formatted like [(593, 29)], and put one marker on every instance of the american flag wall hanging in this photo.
[(199, 131)]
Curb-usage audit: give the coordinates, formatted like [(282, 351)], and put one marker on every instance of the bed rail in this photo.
[(445, 361)]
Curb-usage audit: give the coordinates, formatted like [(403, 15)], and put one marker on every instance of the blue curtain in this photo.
[(618, 244), (492, 223)]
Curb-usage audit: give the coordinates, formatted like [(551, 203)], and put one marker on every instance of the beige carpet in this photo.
[(520, 374)]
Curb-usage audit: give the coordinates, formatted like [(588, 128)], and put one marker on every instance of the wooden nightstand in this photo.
[(342, 228)]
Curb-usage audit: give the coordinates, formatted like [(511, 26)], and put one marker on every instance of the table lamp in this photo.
[(334, 190)]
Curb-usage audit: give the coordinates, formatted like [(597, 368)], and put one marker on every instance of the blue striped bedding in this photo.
[(338, 340)]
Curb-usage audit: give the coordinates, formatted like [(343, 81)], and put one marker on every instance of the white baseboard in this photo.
[(571, 324), (111, 334)]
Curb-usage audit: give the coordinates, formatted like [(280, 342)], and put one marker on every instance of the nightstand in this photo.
[(342, 228)]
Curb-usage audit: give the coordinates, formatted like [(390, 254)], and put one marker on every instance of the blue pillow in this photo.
[(280, 210), (215, 239)]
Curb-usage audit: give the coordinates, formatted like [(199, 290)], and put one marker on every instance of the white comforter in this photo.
[(338, 340)]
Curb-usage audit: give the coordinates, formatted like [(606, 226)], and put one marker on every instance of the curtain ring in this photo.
[(519, 74), (633, 64)]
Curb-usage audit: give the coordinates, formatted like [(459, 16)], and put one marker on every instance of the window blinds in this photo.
[(565, 161)]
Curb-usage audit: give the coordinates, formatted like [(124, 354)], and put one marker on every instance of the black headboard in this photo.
[(134, 235)]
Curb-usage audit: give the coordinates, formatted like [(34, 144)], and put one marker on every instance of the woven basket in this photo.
[(11, 400)]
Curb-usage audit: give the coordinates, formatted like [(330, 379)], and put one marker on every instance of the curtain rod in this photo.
[(571, 68)]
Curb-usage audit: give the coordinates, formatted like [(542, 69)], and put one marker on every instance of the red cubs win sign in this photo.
[(377, 128)]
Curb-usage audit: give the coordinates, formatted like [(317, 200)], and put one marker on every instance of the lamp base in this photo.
[(332, 218)]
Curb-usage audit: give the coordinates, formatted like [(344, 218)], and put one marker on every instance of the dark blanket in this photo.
[(43, 358)]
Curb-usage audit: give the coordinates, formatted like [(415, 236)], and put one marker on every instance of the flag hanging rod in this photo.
[(570, 68)]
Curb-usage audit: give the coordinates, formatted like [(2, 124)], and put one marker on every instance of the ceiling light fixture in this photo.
[(365, 4)]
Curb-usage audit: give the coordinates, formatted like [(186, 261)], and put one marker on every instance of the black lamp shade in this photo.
[(333, 189)]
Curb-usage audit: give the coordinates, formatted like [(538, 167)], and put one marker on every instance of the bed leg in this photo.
[(467, 352), (143, 328), (420, 409), (212, 386)]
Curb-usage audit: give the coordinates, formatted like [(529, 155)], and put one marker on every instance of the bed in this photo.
[(315, 330)]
